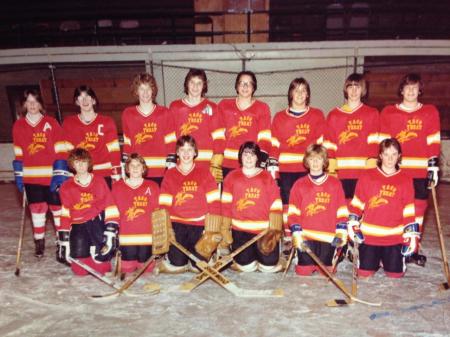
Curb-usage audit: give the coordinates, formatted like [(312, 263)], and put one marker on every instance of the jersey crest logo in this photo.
[(142, 137), (405, 136), (133, 212), (295, 139), (346, 136), (319, 204), (377, 201), (84, 202), (236, 131), (244, 203), (187, 128), (146, 134), (182, 197), (47, 126), (35, 148)]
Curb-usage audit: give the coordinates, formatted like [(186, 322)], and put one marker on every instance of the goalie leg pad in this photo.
[(207, 244), (269, 269), (276, 221), (166, 267), (246, 268), (271, 255)]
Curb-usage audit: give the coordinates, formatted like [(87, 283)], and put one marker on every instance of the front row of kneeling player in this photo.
[(381, 214)]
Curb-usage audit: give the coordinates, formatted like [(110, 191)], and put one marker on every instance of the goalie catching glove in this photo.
[(268, 242), (210, 239), (110, 242), (411, 238)]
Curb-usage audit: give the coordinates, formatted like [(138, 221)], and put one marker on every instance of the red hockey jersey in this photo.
[(189, 197), (355, 137), (317, 207), (291, 135), (99, 137), (251, 124), (82, 203), (418, 133), (135, 205), (248, 200), (38, 146), (386, 204), (153, 137), (203, 122)]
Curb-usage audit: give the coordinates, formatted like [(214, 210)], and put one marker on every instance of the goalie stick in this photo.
[(334, 279), (225, 282), (445, 285), (128, 283), (219, 264), (288, 264)]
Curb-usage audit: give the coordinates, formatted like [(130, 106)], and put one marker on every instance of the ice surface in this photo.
[(47, 300)]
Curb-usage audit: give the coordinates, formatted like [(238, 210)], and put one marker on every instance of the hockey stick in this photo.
[(336, 258), (128, 283), (219, 264), (225, 282), (94, 273), (355, 268), (445, 285), (21, 233), (334, 279), (288, 264)]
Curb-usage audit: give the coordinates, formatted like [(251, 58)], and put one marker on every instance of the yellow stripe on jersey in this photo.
[(69, 146), (409, 210), (111, 212), (277, 206), (250, 225), (414, 162), (218, 134), (231, 154), (18, 151), (38, 171), (135, 239), (176, 218), (351, 162), (374, 230), (275, 142), (383, 136), (373, 138), (435, 138), (170, 138), (318, 235), (113, 146), (227, 198), (155, 162), (329, 145), (342, 212), (166, 199), (102, 166), (289, 158), (265, 135), (213, 196), (356, 202), (126, 140), (65, 212), (60, 147), (204, 155), (293, 210)]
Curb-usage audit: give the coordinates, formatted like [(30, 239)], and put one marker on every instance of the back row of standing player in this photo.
[(350, 133)]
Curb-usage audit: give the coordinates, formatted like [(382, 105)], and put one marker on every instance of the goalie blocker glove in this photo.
[(18, 174), (340, 238), (110, 242), (60, 174), (63, 247), (171, 161), (354, 229), (433, 171), (411, 238)]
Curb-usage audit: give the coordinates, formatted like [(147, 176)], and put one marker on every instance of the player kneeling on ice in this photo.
[(383, 208), (89, 220), (190, 194), (317, 213), (136, 199), (251, 203)]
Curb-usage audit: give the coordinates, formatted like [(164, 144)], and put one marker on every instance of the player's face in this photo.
[(389, 158), (81, 166), (195, 87), (354, 92), (85, 102), (135, 169), (410, 93), (315, 163), (299, 96), (249, 159), (186, 154), (245, 87), (144, 93), (32, 105)]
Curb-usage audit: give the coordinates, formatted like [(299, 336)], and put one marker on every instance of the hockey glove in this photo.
[(216, 167), (340, 238), (273, 167), (297, 236), (60, 174), (411, 238), (354, 229), (63, 247), (433, 170), (18, 174), (171, 161), (110, 242), (263, 159), (116, 173)]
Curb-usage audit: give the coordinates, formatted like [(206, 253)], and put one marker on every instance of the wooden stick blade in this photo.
[(444, 286), (338, 303)]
